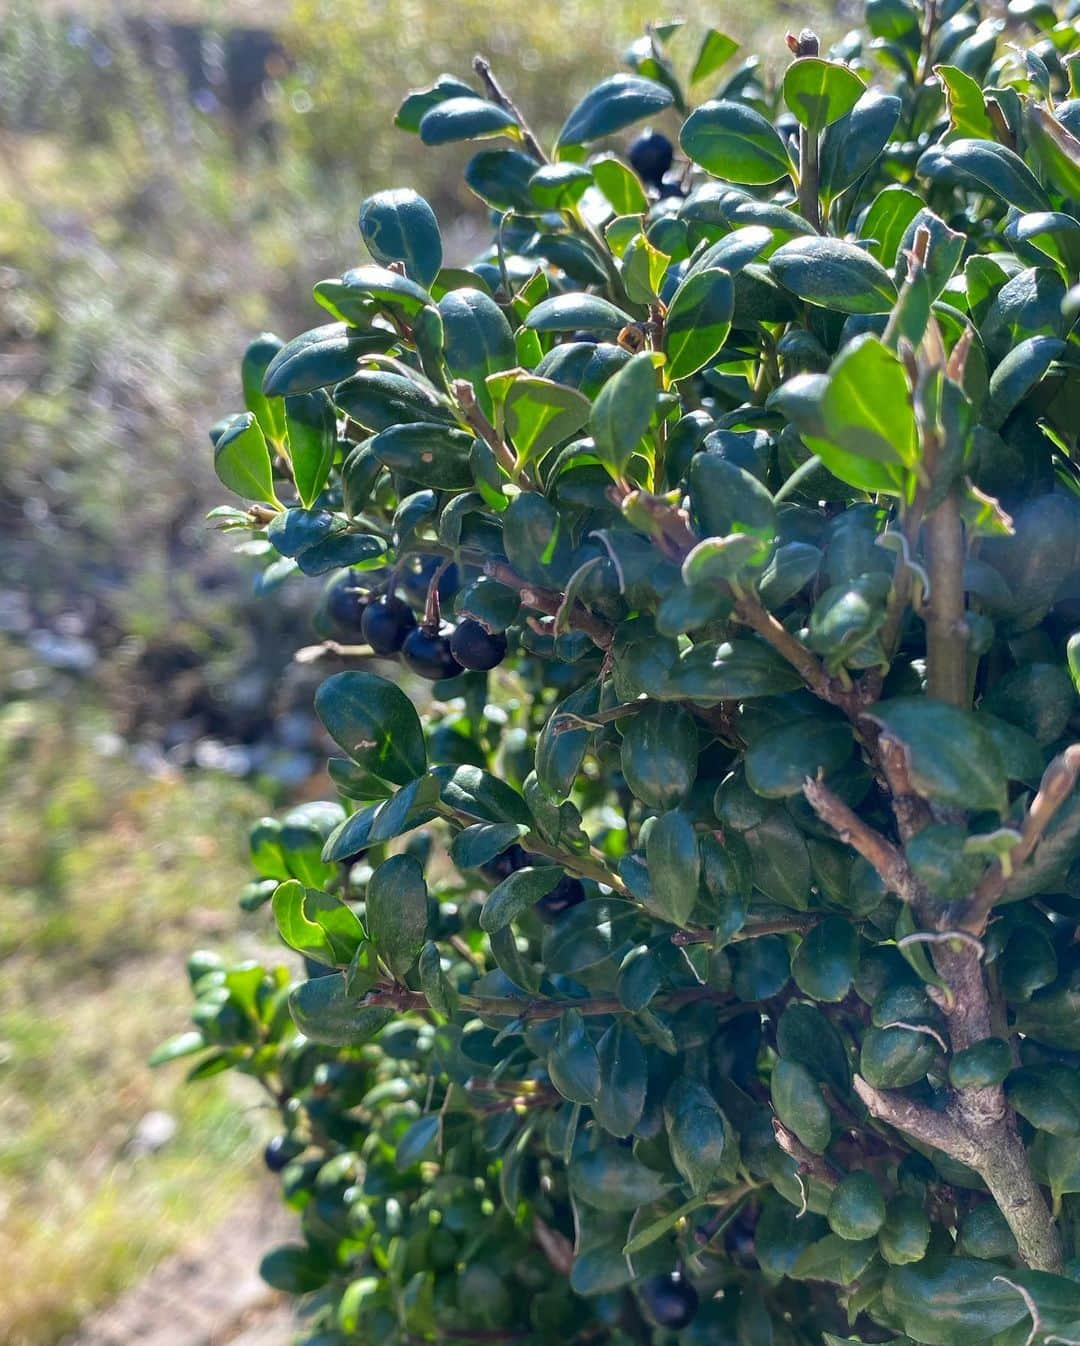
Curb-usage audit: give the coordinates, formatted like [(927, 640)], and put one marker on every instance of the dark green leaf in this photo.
[(324, 1012), (833, 274), (952, 760), (734, 142), (698, 322), (622, 412), (610, 1178), (400, 226), (517, 894), (671, 852), (375, 724), (396, 910), (463, 118), (799, 1104), (611, 106)]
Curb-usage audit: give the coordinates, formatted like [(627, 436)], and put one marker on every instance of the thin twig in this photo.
[(813, 1165), (871, 845), (498, 94), (1057, 784)]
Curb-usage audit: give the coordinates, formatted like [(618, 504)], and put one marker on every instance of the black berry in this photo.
[(567, 893), (475, 648), (505, 863), (278, 1153), (347, 601), (387, 621), (669, 1301), (650, 157), (428, 655)]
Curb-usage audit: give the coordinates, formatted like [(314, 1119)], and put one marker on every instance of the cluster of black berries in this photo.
[(389, 625), (567, 893), (651, 155), (668, 1301)]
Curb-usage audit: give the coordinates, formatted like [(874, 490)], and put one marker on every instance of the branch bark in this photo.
[(871, 845)]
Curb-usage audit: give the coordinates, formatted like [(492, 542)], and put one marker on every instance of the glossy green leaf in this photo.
[(517, 894), (464, 118), (573, 1064), (715, 51), (315, 923), (396, 909), (400, 226), (671, 852), (779, 761), (659, 755), (952, 759), (324, 356), (620, 185), (374, 723), (798, 1101), (833, 274), (624, 1073), (242, 460), (826, 960), (568, 312), (698, 322), (734, 142), (611, 106), (622, 412), (312, 433), (539, 413), (262, 403), (324, 1012), (851, 145), (610, 1178), (819, 92), (703, 1147)]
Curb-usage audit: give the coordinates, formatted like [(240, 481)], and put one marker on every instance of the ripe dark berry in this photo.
[(475, 648), (428, 655), (650, 157), (387, 621), (669, 1301), (347, 600), (567, 893), (278, 1153), (505, 863)]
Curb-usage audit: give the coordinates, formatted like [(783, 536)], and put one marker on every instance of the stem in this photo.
[(498, 94), (946, 632), (536, 1010), (809, 177), (871, 845)]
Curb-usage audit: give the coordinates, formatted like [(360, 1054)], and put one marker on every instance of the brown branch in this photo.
[(911, 811), (499, 95), (813, 1165), (470, 409), (750, 611), (871, 845), (1057, 784), (914, 1119), (550, 601), (555, 1246), (780, 925), (535, 1010)]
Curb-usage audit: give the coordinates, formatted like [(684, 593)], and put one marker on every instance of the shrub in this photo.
[(735, 513)]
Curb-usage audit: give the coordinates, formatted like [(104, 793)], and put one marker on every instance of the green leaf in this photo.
[(867, 408), (400, 226), (610, 1178), (887, 220), (517, 894), (294, 1270), (396, 907), (704, 1149), (659, 755), (560, 186), (242, 460), (825, 962), (464, 118), (479, 844), (988, 167), (799, 1104), (379, 400), (263, 405), (419, 101), (953, 1301), (624, 1074), (431, 455), (501, 178), (857, 1207), (968, 117), (569, 312), (893, 1058), (730, 671), (312, 431), (952, 759), (734, 142), (326, 355), (478, 340), (1048, 1097), (622, 412), (611, 106), (1053, 1016), (819, 92), (539, 413), (324, 1012), (904, 1236), (560, 749), (374, 723), (698, 322), (852, 144), (620, 185), (352, 297), (655, 1230), (833, 274), (715, 51), (573, 1064), (804, 1034), (671, 852), (315, 923), (183, 1044), (780, 760)]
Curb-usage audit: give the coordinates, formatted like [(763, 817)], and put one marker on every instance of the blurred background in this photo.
[(173, 179)]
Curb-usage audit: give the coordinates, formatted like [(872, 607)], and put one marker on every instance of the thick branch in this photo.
[(914, 1119), (871, 845), (946, 631)]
